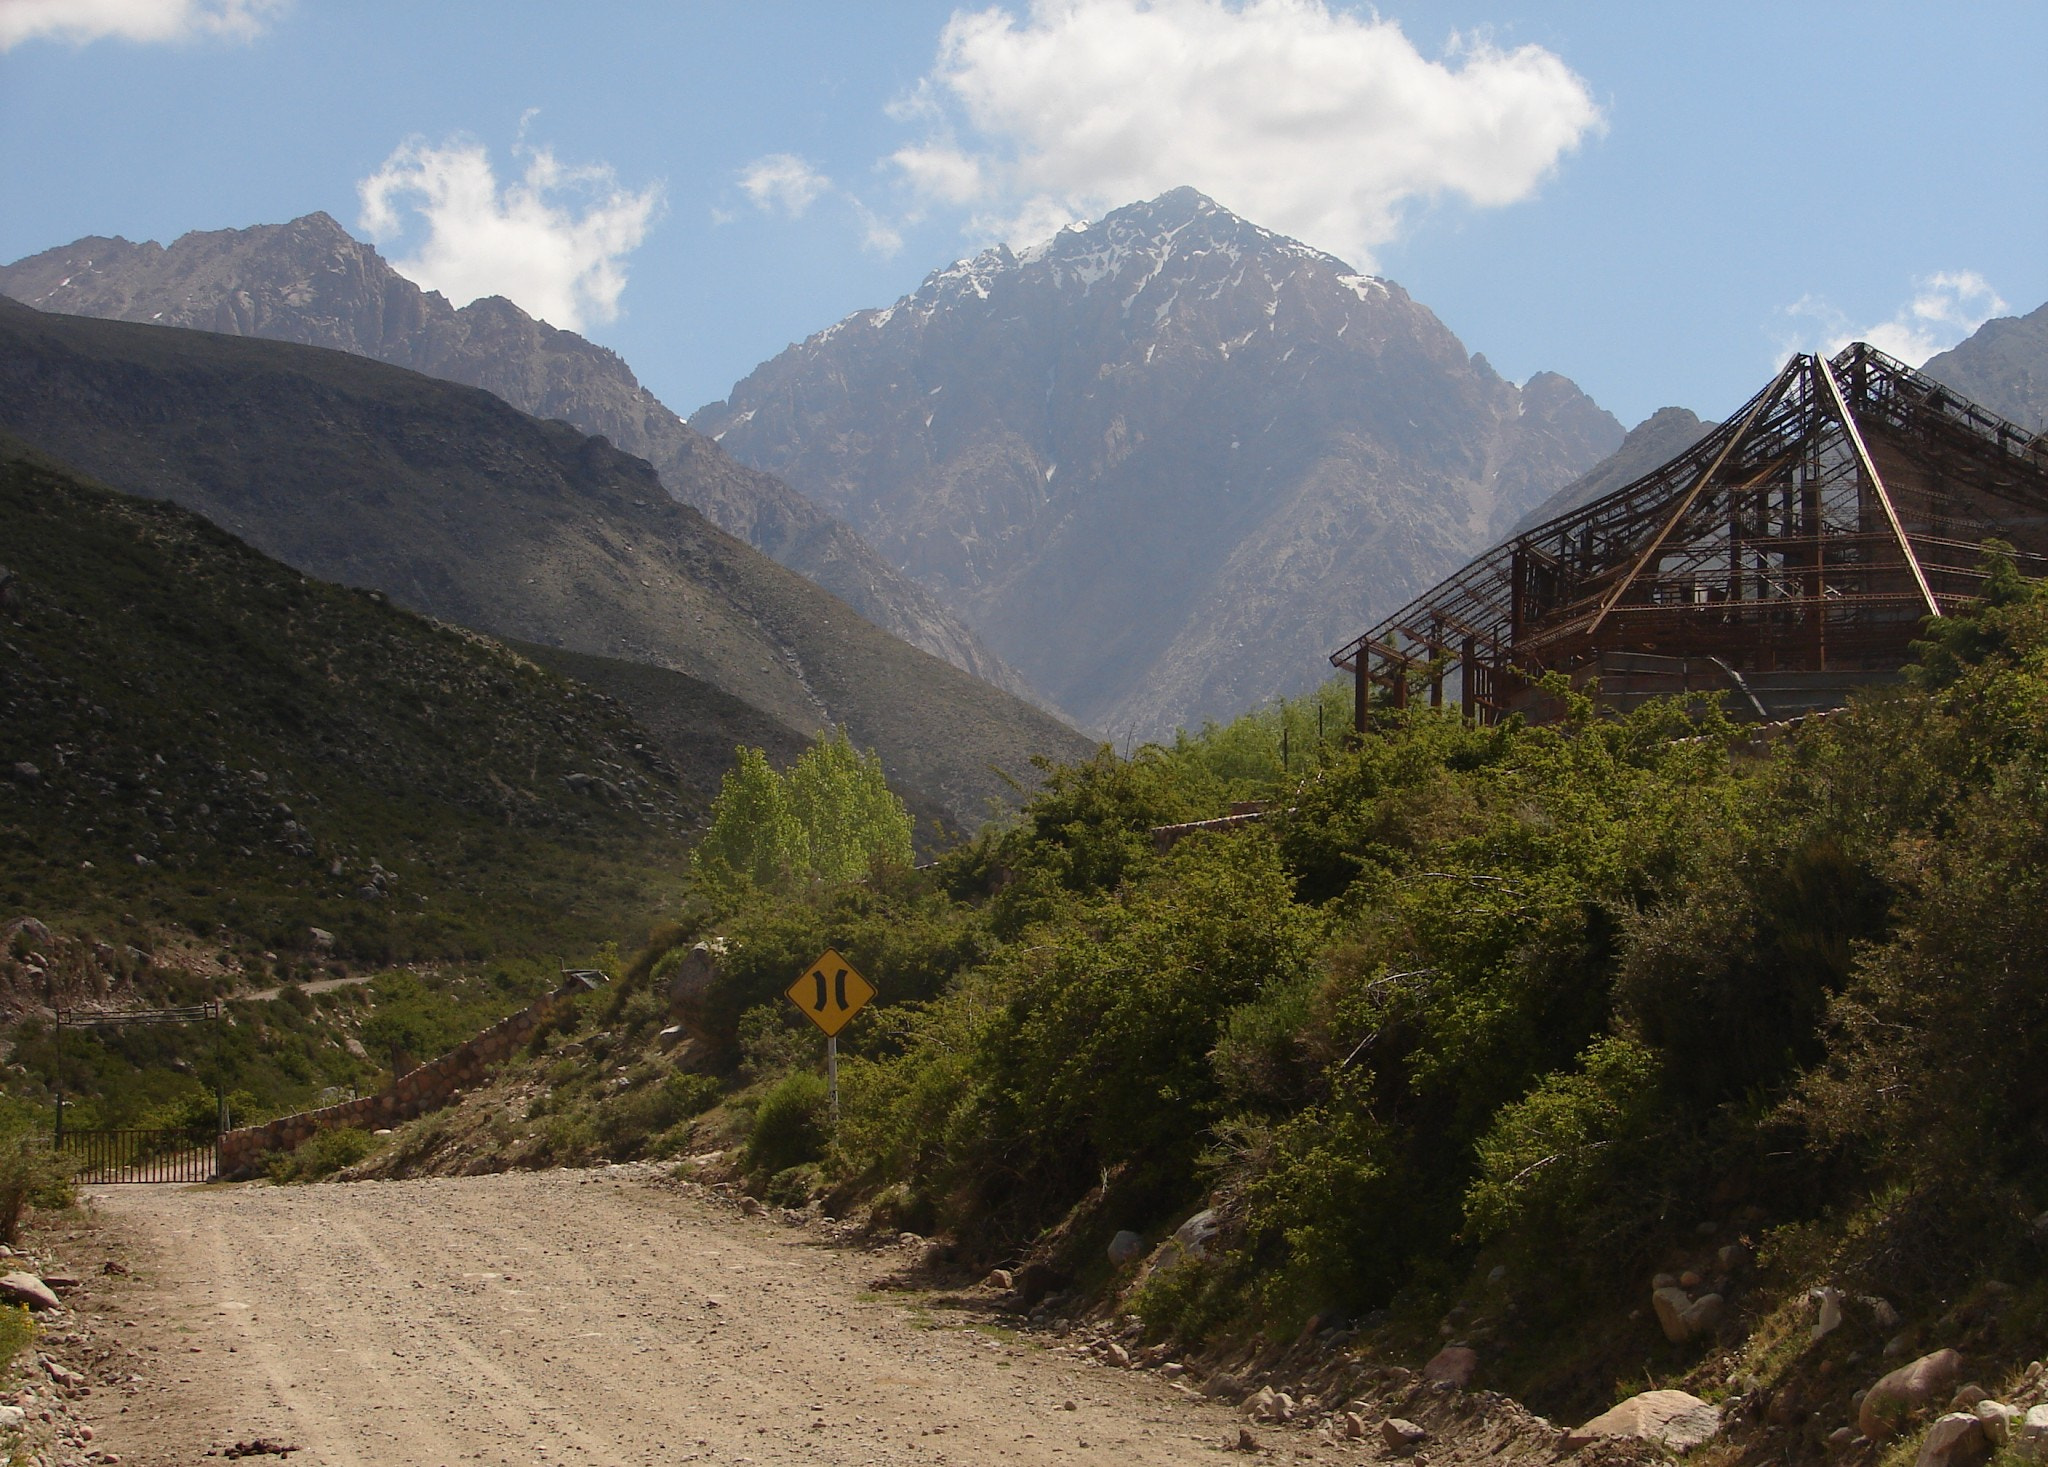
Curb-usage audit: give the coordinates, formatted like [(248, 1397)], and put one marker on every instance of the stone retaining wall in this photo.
[(431, 1086)]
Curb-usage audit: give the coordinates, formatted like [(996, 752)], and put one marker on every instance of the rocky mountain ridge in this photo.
[(1650, 444), (1163, 462), (310, 282), (462, 508), (2002, 365)]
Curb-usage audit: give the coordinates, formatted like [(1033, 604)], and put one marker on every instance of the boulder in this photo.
[(1912, 1387), (1126, 1247), (26, 1288), (1671, 1302), (1999, 1421), (2032, 1433), (1198, 1232), (1401, 1436), (1222, 1386), (1955, 1440), (1671, 1418), (1452, 1366), (1684, 1317), (692, 980)]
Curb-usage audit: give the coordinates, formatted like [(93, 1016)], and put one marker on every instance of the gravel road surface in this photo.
[(576, 1317)]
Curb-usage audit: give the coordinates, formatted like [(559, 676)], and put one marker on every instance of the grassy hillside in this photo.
[(695, 726), (204, 755), (460, 507)]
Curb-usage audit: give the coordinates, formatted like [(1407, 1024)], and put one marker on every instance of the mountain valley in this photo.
[(1278, 1087), (468, 511), (310, 282)]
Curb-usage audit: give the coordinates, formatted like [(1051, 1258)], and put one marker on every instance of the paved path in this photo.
[(575, 1317)]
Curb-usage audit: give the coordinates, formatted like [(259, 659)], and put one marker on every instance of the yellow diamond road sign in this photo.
[(830, 993)]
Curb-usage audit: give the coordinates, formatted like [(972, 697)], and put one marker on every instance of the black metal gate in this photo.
[(101, 1157)]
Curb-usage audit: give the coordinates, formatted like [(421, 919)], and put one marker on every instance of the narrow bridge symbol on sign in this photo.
[(830, 993)]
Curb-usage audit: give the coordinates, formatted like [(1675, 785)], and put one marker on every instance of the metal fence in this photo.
[(101, 1157)]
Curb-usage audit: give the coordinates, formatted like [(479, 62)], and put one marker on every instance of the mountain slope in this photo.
[(465, 509), (194, 735), (2003, 365), (310, 282), (1650, 444), (1161, 463)]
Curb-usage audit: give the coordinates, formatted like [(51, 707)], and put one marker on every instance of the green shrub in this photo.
[(625, 1123), (794, 1186), (789, 1125), (17, 1332), (1551, 1162), (324, 1155), (774, 1040), (31, 1175)]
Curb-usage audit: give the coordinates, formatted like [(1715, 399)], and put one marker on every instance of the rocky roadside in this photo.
[(1313, 1399), (76, 1366), (1320, 1392)]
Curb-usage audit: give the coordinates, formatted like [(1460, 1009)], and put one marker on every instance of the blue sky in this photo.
[(1656, 200)]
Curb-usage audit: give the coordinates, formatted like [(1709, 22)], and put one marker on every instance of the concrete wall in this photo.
[(243, 1152)]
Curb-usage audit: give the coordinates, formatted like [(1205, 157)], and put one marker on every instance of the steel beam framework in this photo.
[(1813, 532)]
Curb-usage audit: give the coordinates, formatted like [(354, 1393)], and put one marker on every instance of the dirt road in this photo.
[(577, 1317)]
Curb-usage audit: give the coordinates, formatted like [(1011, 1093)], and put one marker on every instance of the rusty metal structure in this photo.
[(1786, 558)]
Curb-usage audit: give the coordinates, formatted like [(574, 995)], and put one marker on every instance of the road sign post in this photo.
[(830, 993)]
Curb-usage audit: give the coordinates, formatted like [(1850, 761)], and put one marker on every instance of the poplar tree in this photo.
[(830, 819), (754, 835)]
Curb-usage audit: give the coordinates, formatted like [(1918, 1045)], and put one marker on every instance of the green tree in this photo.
[(755, 835), (848, 815), (831, 818)]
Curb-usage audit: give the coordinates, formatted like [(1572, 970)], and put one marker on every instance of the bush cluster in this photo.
[(1528, 993)]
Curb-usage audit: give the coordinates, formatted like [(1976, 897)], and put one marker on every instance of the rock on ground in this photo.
[(1401, 1436), (1953, 1441), (1910, 1388), (26, 1288), (1452, 1366), (1672, 1418)]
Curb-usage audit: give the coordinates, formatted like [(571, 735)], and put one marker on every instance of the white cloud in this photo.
[(83, 21), (553, 240), (942, 171), (1309, 119), (1946, 307), (783, 183)]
